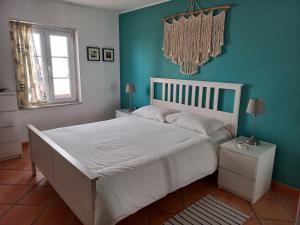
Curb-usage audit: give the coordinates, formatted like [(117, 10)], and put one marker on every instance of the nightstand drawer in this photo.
[(8, 103), (236, 183), (9, 134), (10, 150), (9, 119), (242, 164)]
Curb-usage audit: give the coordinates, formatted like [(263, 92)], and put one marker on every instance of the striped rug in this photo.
[(206, 211)]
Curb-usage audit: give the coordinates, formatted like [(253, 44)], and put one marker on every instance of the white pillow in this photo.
[(198, 123), (154, 113)]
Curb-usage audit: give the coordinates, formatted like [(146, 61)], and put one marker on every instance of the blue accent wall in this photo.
[(262, 51)]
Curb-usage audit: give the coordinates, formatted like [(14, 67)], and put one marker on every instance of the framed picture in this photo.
[(108, 54), (93, 53)]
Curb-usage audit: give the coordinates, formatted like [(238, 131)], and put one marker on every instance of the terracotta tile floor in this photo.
[(28, 200)]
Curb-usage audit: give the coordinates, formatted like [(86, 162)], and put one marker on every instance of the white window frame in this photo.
[(45, 33)]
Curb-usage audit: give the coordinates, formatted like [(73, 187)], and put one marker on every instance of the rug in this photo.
[(206, 211)]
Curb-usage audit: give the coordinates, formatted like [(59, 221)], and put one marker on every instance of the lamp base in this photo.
[(130, 110), (252, 141)]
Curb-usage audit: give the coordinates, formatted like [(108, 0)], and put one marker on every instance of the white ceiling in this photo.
[(116, 5)]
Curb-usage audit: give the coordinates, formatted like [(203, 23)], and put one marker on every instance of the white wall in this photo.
[(99, 80)]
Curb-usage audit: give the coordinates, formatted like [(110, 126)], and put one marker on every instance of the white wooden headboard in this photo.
[(181, 95)]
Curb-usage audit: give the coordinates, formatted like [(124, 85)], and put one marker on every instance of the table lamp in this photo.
[(130, 88), (255, 107)]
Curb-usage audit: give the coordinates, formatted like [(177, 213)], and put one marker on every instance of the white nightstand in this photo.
[(122, 113), (10, 145), (246, 173)]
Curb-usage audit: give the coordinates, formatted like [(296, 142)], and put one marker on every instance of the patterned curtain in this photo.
[(30, 83)]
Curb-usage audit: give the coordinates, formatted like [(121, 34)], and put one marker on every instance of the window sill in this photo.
[(50, 105)]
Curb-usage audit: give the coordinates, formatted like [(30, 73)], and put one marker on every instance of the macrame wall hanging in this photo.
[(193, 37)]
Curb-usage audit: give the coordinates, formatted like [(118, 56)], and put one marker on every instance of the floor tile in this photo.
[(221, 192), (235, 202), (251, 222), (189, 199), (200, 187), (177, 193), (291, 206), (283, 192), (19, 177), (158, 218), (168, 204), (12, 193), (55, 215), (4, 208), (76, 221), (21, 215), (25, 150), (288, 197), (139, 218), (40, 195), (274, 222), (270, 209), (16, 164)]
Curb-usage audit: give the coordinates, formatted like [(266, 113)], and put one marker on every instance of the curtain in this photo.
[(29, 79)]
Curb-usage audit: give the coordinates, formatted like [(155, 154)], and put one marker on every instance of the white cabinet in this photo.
[(10, 146), (246, 172), (122, 113)]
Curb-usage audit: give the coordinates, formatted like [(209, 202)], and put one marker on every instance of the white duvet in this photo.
[(138, 161)]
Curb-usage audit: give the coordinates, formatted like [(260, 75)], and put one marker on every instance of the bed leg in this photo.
[(33, 167)]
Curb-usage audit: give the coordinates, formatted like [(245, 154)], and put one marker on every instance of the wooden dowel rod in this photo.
[(196, 12)]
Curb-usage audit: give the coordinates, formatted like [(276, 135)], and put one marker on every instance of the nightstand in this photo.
[(122, 113), (10, 145), (246, 172)]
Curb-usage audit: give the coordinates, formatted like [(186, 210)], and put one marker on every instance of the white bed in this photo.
[(138, 160), (107, 170)]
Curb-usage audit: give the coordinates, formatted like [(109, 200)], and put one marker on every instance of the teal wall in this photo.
[(262, 51)]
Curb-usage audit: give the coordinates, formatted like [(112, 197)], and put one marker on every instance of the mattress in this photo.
[(138, 161)]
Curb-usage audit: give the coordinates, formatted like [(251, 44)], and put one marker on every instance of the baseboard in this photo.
[(278, 185)]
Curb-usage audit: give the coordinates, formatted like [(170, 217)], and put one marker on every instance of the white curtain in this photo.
[(30, 83)]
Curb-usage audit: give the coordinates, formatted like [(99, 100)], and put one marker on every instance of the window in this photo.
[(55, 54)]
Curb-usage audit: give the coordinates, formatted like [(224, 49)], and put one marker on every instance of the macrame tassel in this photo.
[(217, 40), (205, 41)]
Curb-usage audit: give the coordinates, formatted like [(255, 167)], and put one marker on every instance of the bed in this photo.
[(107, 170)]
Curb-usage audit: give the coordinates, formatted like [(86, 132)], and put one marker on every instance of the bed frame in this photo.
[(76, 184)]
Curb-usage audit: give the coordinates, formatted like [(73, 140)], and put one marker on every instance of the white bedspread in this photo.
[(138, 161)]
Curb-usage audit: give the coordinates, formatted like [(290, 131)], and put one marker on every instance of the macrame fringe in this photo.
[(190, 42)]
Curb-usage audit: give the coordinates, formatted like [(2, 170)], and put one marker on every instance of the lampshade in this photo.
[(256, 106), (130, 88)]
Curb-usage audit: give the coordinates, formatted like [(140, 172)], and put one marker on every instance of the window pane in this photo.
[(37, 43), (62, 88), (60, 67), (59, 46), (40, 62)]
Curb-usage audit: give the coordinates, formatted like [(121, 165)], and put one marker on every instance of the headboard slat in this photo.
[(193, 95), (207, 101), (174, 92), (163, 91), (176, 102), (186, 101), (180, 94), (216, 99), (200, 96)]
